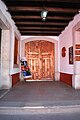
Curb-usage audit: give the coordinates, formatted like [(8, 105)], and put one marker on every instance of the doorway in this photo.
[(40, 58)]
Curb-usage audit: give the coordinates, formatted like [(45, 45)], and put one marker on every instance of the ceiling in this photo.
[(27, 15)]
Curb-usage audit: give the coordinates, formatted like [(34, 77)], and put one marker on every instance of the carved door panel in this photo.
[(40, 57), (47, 68)]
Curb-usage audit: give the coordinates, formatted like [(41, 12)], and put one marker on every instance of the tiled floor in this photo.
[(41, 93)]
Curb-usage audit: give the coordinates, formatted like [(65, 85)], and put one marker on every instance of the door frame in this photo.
[(56, 48)]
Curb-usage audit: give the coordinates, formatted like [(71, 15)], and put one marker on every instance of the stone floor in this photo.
[(3, 92), (41, 94)]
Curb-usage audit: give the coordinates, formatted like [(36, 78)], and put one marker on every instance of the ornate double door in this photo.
[(40, 57)]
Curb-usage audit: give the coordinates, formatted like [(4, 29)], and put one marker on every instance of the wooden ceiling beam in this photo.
[(40, 34), (71, 1), (48, 3), (34, 13), (40, 28), (40, 23), (27, 15), (40, 20), (39, 31), (16, 17), (37, 9), (50, 14)]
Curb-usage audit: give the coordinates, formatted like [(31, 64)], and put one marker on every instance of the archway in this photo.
[(24, 41)]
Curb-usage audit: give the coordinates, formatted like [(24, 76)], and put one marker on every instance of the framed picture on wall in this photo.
[(71, 55)]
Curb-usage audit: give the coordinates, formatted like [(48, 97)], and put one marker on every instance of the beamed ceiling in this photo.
[(27, 15)]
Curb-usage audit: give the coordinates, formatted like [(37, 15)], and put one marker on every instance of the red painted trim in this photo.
[(66, 78), (15, 78)]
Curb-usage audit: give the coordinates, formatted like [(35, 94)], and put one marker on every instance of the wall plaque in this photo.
[(77, 52), (71, 55), (77, 46), (63, 52), (77, 58)]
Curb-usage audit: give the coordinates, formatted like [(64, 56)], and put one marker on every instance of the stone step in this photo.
[(39, 103), (39, 110)]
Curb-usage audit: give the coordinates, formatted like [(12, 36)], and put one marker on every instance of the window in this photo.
[(16, 53)]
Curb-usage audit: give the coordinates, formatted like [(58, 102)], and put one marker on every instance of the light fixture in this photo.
[(44, 14), (79, 11)]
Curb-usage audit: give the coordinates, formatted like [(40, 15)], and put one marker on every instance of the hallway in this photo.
[(40, 40), (41, 94)]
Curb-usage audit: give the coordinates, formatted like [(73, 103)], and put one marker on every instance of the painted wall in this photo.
[(66, 39), (9, 31)]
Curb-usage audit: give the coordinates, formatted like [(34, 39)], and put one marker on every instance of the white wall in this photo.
[(9, 31), (66, 40)]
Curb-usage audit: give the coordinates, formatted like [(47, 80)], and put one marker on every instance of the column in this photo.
[(76, 75), (5, 82), (57, 62)]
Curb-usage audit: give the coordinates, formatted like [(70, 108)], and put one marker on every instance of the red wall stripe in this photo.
[(66, 78), (15, 78)]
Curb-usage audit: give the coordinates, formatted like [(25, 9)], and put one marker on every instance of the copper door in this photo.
[(40, 57)]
